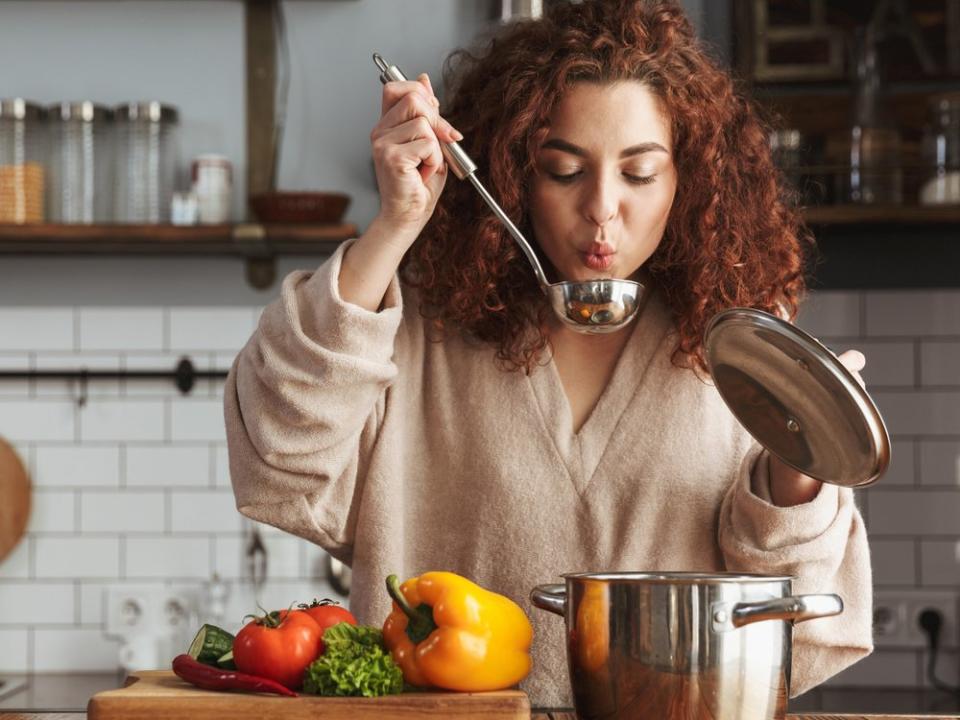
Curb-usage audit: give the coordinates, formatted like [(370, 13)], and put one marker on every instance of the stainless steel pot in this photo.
[(680, 645)]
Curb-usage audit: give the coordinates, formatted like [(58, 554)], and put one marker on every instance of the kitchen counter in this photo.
[(64, 697), (57, 692), (536, 716)]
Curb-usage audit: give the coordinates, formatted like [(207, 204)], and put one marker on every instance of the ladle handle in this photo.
[(464, 167), (458, 160)]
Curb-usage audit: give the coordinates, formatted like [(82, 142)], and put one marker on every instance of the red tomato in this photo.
[(278, 646), (327, 613)]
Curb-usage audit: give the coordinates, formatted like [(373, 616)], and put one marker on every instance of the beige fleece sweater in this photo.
[(401, 455)]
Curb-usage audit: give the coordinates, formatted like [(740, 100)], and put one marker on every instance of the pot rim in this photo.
[(684, 577)]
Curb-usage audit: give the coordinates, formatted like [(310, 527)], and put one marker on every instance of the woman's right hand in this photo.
[(410, 167)]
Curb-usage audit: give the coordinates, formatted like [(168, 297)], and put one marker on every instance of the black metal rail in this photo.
[(185, 375)]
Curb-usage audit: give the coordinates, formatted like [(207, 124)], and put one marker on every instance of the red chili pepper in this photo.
[(211, 678)]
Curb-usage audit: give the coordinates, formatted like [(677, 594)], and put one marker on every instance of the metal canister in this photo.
[(146, 161), (81, 183), (680, 645), (22, 162)]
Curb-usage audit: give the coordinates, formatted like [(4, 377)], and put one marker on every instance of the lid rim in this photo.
[(683, 577), (869, 468)]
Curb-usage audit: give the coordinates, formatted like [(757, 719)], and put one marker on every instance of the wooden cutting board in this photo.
[(791, 716), (161, 695)]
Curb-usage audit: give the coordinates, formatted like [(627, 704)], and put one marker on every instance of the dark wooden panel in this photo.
[(261, 74), (887, 255)]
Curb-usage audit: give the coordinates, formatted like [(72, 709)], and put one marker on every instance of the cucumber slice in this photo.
[(225, 662), (210, 644)]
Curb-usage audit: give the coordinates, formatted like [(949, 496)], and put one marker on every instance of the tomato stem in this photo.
[(319, 603), (272, 619)]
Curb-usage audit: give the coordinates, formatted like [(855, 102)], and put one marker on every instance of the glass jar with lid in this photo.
[(146, 161), (941, 152), (81, 187), (22, 162)]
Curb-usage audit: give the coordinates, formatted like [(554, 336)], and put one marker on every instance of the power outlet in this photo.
[(128, 612), (896, 618), (176, 610), (157, 611)]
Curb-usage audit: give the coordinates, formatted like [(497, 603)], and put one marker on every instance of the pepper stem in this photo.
[(420, 619)]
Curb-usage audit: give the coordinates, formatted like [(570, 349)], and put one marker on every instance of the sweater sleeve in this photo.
[(823, 545), (302, 402)]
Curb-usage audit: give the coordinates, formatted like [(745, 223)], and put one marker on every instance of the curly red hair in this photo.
[(733, 238)]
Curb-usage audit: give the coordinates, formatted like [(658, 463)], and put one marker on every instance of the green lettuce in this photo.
[(354, 663)]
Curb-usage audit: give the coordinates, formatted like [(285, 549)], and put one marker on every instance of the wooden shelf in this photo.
[(878, 214), (250, 240)]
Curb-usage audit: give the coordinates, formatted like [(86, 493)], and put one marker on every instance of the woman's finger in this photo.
[(417, 128), (425, 79), (396, 90), (411, 145), (410, 107), (853, 360), (406, 108), (429, 158)]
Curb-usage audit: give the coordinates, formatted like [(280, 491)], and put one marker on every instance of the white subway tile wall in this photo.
[(15, 362), (87, 361), (66, 649), (911, 340), (13, 650), (37, 329), (133, 489), (120, 329), (76, 557), (77, 466)]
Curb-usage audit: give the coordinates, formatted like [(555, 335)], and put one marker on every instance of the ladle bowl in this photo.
[(595, 306), (603, 305)]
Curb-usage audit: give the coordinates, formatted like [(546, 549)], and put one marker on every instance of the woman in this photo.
[(413, 404)]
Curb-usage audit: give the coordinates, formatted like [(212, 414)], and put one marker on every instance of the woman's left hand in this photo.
[(789, 487)]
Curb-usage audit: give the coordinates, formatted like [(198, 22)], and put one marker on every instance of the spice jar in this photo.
[(146, 161), (941, 152), (22, 171), (81, 185), (212, 177)]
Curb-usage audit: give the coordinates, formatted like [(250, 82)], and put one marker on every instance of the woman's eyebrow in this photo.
[(644, 147)]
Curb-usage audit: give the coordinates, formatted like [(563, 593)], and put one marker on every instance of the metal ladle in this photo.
[(591, 306)]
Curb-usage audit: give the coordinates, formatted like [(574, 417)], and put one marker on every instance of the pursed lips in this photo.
[(598, 256)]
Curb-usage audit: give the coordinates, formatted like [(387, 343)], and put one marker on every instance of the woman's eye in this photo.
[(571, 176), (565, 177)]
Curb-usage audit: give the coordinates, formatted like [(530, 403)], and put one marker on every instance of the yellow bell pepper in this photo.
[(450, 633)]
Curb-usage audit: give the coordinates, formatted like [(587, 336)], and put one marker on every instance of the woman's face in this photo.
[(605, 181)]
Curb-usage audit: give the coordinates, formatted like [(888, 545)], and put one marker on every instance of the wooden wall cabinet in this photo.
[(797, 59)]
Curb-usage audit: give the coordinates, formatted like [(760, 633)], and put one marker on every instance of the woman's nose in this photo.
[(600, 202)]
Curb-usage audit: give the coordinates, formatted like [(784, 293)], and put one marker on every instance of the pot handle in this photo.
[(551, 597), (796, 608)]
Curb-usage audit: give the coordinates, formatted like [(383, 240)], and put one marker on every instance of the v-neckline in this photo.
[(582, 451)]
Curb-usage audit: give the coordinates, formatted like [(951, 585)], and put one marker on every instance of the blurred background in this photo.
[(164, 163)]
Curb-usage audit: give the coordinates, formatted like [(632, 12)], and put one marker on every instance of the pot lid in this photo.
[(796, 398)]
